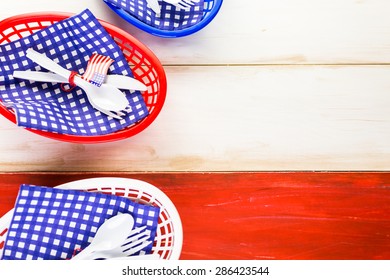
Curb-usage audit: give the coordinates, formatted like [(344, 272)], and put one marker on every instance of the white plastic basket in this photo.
[(169, 236)]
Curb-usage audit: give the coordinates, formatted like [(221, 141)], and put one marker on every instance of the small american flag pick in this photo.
[(97, 69)]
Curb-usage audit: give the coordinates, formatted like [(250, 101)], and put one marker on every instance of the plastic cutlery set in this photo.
[(117, 239), (118, 81), (106, 98)]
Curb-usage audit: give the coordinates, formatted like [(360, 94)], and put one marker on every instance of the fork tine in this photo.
[(138, 248), (137, 230), (108, 113), (135, 243), (184, 4), (115, 116), (190, 2), (120, 113), (135, 237), (111, 114)]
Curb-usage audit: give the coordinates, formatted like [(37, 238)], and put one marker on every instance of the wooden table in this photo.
[(256, 102), (262, 215)]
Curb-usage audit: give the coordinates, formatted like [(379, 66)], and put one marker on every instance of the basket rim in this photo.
[(112, 29), (127, 183), (168, 33)]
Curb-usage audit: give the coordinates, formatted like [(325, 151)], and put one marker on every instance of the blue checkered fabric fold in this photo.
[(171, 17), (51, 223), (45, 106)]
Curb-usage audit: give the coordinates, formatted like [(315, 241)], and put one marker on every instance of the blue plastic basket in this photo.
[(211, 8)]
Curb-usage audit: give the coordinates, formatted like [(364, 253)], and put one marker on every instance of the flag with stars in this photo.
[(97, 69)]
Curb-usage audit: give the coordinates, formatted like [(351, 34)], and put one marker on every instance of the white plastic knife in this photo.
[(119, 81)]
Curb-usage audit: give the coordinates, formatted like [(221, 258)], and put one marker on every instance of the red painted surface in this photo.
[(266, 215)]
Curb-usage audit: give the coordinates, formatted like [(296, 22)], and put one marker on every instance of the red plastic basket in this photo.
[(169, 236), (145, 66)]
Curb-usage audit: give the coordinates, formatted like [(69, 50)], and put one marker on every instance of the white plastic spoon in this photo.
[(110, 235), (105, 97)]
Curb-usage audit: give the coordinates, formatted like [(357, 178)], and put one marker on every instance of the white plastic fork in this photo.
[(136, 241), (124, 251), (116, 115), (183, 4)]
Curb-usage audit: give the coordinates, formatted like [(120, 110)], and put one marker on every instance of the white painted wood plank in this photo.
[(269, 32), (238, 118), (255, 118)]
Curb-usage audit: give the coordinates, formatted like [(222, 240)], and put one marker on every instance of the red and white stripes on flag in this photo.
[(97, 69)]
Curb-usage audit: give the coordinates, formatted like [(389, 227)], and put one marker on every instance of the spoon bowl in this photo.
[(105, 97)]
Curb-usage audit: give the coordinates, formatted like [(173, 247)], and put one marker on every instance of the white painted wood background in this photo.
[(279, 85)]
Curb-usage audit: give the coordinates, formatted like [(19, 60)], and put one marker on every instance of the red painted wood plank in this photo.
[(263, 215)]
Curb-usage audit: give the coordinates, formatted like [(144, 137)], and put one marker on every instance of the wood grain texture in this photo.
[(238, 119), (263, 215), (268, 32), (283, 85), (229, 108)]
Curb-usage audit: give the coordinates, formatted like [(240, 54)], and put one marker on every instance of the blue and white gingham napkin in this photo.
[(171, 18), (50, 223), (45, 106)]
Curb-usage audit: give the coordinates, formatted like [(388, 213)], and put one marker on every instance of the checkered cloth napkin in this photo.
[(51, 223), (45, 106), (171, 17)]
